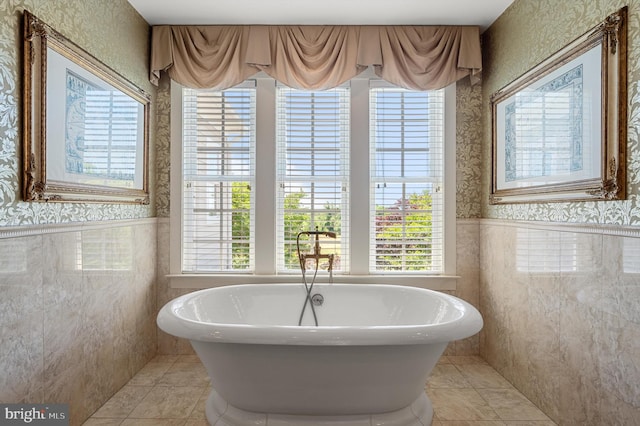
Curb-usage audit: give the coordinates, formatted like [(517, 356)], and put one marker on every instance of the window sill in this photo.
[(201, 281)]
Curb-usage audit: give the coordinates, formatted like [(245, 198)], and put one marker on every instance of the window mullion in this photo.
[(265, 193), (359, 189)]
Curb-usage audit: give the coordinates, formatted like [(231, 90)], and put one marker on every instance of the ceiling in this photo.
[(321, 12)]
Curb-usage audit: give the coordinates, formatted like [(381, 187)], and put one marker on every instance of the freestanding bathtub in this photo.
[(365, 364)]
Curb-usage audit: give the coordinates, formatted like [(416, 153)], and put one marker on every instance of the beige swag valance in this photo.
[(315, 57)]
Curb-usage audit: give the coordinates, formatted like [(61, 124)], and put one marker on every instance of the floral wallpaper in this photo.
[(523, 36), (468, 149), (163, 150), (110, 30)]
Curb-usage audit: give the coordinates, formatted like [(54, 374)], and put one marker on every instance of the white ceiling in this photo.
[(321, 12)]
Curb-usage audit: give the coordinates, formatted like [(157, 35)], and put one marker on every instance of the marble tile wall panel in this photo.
[(77, 313), (562, 316), (168, 344), (467, 285), (21, 320)]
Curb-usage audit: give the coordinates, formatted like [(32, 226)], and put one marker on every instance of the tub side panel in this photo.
[(318, 380)]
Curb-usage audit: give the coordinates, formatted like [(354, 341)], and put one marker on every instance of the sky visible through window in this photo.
[(401, 133)]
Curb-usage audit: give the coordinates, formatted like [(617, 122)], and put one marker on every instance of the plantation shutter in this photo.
[(312, 131), (218, 179), (407, 167)]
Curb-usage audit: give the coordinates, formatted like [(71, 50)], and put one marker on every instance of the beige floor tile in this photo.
[(447, 376), (482, 376), (199, 410), (102, 422), (460, 404), (153, 422), (196, 422), (472, 423), (512, 405), (150, 374), (168, 402), (444, 360), (172, 391), (185, 374), (123, 402), (469, 359), (188, 358), (165, 358)]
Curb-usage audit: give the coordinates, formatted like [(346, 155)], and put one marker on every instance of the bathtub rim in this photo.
[(468, 324)]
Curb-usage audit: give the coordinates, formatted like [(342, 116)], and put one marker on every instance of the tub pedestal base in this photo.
[(221, 413)]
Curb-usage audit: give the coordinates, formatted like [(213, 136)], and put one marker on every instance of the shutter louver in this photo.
[(313, 172), (218, 180), (407, 166)]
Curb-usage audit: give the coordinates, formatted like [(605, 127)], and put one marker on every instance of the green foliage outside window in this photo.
[(403, 230), (404, 234), (241, 224)]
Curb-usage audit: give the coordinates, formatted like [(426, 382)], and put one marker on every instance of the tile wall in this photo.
[(77, 311), (168, 344), (467, 285), (561, 305)]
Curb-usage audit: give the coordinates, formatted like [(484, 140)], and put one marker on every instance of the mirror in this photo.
[(86, 128)]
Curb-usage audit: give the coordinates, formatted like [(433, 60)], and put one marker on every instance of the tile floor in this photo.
[(171, 391)]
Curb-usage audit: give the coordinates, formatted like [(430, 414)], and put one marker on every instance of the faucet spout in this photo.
[(316, 254)]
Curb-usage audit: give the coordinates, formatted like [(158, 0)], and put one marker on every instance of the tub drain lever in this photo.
[(317, 299)]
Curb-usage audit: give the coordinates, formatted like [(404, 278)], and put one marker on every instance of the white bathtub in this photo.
[(366, 363)]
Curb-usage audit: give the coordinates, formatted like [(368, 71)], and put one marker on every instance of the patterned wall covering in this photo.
[(527, 33), (468, 149), (163, 147), (110, 30)]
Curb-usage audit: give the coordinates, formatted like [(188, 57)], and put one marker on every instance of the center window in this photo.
[(263, 162), (312, 132)]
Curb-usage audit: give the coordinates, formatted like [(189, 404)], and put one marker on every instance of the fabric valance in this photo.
[(315, 57)]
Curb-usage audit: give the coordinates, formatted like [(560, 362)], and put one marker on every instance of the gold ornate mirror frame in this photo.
[(85, 128), (559, 132)]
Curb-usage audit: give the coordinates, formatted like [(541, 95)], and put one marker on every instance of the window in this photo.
[(262, 162), (218, 175), (406, 208), (313, 171)]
